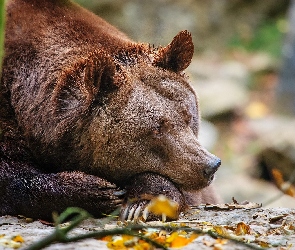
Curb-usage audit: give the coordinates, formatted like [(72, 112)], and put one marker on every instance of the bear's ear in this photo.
[(84, 82), (177, 55)]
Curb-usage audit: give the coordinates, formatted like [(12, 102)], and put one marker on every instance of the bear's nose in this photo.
[(212, 166)]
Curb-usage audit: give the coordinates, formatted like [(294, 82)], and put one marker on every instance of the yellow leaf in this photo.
[(11, 242), (242, 229), (117, 244), (172, 237), (179, 240), (142, 245), (18, 238), (221, 231), (162, 205)]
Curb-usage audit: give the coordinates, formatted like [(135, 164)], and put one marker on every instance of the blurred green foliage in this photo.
[(268, 37)]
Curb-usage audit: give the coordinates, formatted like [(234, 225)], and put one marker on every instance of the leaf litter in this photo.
[(200, 228), (257, 228)]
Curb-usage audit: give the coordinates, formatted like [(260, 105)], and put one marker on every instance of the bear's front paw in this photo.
[(142, 190), (156, 208)]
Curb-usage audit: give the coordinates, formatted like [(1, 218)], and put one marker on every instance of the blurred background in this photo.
[(243, 71)]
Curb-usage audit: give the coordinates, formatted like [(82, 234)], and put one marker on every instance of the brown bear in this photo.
[(86, 113)]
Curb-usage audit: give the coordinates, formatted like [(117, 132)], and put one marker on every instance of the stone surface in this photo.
[(262, 221), (220, 96)]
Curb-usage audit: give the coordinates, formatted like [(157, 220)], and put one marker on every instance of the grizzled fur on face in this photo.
[(79, 97)]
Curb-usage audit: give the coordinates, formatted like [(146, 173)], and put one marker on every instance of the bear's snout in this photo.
[(212, 167)]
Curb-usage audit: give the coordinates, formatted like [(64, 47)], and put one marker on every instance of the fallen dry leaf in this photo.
[(285, 186), (11, 242), (242, 229), (263, 244), (274, 219), (233, 205)]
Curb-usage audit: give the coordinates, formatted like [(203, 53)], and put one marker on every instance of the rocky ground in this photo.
[(273, 228)]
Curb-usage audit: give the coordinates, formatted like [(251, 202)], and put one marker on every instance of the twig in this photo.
[(250, 246), (60, 233), (283, 190)]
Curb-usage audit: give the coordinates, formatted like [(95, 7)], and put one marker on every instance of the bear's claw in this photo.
[(137, 211)]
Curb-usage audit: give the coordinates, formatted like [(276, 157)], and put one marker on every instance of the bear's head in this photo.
[(148, 121)]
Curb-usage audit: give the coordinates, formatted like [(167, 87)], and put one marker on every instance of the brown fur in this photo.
[(83, 106)]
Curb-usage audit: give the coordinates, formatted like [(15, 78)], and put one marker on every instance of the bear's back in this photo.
[(42, 23)]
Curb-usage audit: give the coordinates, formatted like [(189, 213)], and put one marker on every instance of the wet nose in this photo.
[(212, 167)]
